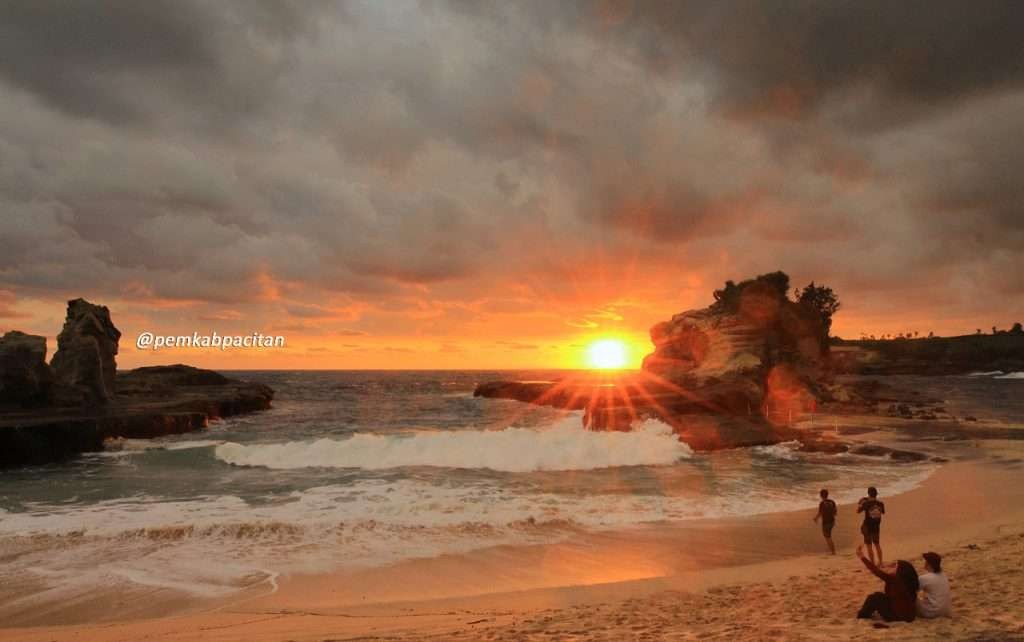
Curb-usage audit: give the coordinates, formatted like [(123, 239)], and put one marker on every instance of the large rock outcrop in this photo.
[(84, 364), (752, 351), (25, 379)]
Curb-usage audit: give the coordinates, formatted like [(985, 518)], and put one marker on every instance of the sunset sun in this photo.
[(607, 354)]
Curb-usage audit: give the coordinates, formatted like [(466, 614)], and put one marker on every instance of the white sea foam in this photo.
[(786, 450), (989, 373), (122, 446), (1010, 375), (380, 505), (565, 446), (236, 543)]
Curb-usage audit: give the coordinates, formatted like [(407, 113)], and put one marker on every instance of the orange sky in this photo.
[(489, 333)]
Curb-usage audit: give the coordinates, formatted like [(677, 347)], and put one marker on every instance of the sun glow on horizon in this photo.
[(607, 354)]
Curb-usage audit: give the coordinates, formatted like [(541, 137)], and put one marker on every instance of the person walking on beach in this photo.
[(827, 514), (899, 601), (936, 600), (871, 529)]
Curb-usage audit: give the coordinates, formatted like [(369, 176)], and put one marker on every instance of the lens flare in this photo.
[(607, 354)]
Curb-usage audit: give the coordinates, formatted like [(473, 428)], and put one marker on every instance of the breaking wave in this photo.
[(566, 446)]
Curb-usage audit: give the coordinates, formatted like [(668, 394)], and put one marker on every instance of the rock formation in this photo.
[(157, 379), (752, 351), (84, 364), (151, 402), (25, 379)]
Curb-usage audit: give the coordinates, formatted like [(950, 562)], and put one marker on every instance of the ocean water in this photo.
[(359, 469)]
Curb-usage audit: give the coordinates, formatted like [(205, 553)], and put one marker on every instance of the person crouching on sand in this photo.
[(899, 601), (936, 600), (827, 514), (871, 529)]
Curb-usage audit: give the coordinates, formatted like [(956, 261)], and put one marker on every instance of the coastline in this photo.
[(961, 503)]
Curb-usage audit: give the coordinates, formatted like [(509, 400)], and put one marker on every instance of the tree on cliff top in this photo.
[(822, 299), (728, 298)]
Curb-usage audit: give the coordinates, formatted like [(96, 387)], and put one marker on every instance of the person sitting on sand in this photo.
[(936, 600), (871, 529), (899, 601), (827, 514)]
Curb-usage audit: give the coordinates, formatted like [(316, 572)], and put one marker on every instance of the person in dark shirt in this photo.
[(871, 529), (899, 601), (827, 514)]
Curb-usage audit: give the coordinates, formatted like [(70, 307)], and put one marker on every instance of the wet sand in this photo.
[(757, 577)]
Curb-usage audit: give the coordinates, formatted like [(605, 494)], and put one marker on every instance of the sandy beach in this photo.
[(756, 577)]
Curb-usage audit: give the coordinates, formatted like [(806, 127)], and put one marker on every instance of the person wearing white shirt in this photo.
[(935, 599)]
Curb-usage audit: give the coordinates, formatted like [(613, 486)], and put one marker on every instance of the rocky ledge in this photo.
[(79, 401), (150, 402)]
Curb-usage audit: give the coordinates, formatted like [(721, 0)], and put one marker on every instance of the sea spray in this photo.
[(564, 446)]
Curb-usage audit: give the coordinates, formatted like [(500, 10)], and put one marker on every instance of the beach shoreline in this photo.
[(961, 503)]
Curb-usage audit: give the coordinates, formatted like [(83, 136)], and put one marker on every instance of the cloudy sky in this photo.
[(488, 184)]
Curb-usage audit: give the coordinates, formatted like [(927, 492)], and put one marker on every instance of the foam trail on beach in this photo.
[(121, 447), (565, 446), (786, 450), (215, 546), (998, 374)]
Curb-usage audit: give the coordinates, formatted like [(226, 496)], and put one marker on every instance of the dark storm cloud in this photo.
[(962, 174), (73, 53), (238, 151), (121, 61), (814, 78), (788, 59)]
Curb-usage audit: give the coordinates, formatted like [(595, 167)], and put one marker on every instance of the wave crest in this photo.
[(566, 446)]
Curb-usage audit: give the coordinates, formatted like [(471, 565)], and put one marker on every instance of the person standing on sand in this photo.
[(827, 514), (899, 601), (935, 596), (871, 529)]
